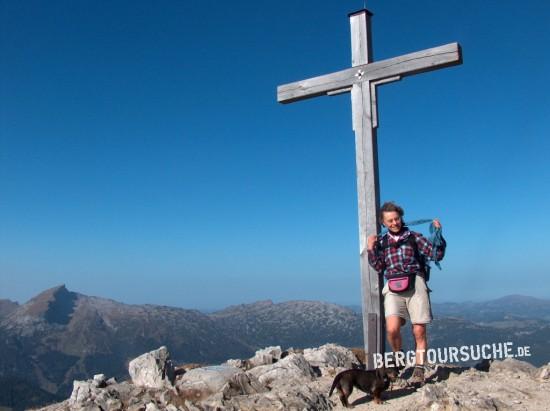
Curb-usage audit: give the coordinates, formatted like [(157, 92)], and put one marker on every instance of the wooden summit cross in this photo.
[(361, 80)]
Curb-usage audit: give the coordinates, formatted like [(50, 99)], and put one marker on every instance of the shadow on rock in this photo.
[(386, 395)]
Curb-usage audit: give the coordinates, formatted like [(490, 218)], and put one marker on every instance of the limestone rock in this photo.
[(94, 395), (512, 366), (297, 397), (235, 363), (431, 393), (265, 356), (293, 367), (115, 405), (100, 381), (442, 372), (153, 369), (82, 393), (507, 385), (330, 355), (242, 384), (200, 383), (544, 372)]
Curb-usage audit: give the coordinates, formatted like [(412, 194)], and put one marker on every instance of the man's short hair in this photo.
[(391, 206)]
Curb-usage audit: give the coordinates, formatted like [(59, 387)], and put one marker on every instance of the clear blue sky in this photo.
[(144, 158)]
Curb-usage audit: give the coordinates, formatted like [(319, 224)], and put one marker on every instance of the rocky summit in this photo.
[(301, 380)]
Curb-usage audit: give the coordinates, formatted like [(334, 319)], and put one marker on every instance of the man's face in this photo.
[(392, 221)]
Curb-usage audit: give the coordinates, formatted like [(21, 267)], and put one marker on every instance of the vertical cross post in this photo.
[(364, 112)]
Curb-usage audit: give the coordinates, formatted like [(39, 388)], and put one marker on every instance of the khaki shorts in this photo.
[(413, 304)]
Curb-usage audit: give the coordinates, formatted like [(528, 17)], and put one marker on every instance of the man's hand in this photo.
[(371, 240), (436, 223)]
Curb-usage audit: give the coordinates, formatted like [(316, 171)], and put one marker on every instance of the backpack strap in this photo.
[(424, 266), (384, 243)]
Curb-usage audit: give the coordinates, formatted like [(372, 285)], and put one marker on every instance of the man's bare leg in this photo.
[(419, 332), (393, 331)]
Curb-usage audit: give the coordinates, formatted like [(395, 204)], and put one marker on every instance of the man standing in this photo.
[(400, 255)]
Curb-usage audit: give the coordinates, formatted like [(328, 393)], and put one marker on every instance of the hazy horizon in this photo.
[(207, 309)]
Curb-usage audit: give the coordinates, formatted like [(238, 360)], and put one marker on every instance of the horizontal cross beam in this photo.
[(408, 64)]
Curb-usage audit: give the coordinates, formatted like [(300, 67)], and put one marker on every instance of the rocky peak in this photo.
[(55, 305)]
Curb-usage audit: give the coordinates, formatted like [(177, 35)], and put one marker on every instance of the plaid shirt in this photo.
[(393, 260)]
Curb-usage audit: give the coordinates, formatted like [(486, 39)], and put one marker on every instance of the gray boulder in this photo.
[(153, 369), (100, 381), (200, 383), (93, 395), (236, 363), (265, 356), (330, 355), (242, 384), (511, 366), (291, 368), (82, 393), (544, 372)]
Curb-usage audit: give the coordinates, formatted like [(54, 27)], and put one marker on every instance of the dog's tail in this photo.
[(335, 383)]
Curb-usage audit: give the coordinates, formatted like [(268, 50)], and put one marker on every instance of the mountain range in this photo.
[(59, 335)]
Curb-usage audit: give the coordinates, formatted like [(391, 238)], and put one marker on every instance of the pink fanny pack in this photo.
[(401, 284)]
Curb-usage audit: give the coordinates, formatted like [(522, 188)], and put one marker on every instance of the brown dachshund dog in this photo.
[(371, 382)]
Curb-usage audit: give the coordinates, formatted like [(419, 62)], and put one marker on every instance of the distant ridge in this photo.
[(510, 306), (291, 323), (518, 299)]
